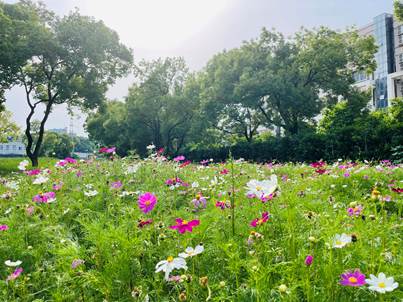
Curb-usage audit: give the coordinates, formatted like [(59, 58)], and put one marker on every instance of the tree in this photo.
[(70, 60), (8, 129), (83, 144), (108, 126), (160, 108), (398, 10), (287, 82), (58, 145)]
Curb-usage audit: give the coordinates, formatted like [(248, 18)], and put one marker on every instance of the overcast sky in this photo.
[(197, 29)]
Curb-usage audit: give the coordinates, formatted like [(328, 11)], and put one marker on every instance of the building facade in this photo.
[(386, 82), (12, 149)]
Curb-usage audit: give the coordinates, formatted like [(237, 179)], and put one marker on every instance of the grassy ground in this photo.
[(10, 164), (93, 243)]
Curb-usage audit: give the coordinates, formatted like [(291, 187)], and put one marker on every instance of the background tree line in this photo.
[(272, 97)]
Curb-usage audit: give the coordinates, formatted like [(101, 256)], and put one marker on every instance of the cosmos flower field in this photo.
[(112, 229)]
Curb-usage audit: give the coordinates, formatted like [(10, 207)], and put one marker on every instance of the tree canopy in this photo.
[(60, 60)]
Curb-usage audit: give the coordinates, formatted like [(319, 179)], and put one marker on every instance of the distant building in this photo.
[(386, 82), (12, 149), (58, 130), (83, 155)]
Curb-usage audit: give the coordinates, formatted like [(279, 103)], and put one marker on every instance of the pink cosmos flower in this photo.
[(317, 164), (30, 210), (222, 204), (308, 260), (346, 174), (259, 221), (107, 150), (321, 171), (70, 160), (57, 186), (33, 172), (205, 162), (397, 190), (142, 223), (147, 202), (61, 163), (44, 197), (179, 158), (116, 184), (4, 227), (76, 263), (199, 201), (183, 225), (15, 274), (224, 172), (184, 164), (355, 278), (355, 211)]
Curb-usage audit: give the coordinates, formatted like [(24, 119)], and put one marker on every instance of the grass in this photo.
[(120, 252), (10, 164)]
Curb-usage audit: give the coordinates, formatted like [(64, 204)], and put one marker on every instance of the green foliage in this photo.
[(8, 128), (71, 59), (120, 256), (398, 10), (59, 145), (273, 81), (159, 109)]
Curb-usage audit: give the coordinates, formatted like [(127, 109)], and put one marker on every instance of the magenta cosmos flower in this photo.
[(14, 275), (179, 158), (147, 202), (44, 197), (183, 225), (355, 278), (355, 211), (107, 150), (4, 227), (308, 260), (259, 221), (116, 184), (33, 172)]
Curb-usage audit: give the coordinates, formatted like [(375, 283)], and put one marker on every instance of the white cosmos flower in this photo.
[(13, 263), (151, 147), (91, 193), (132, 168), (167, 266), (23, 165), (12, 185), (340, 241), (40, 180), (190, 252), (195, 184), (262, 188), (381, 284)]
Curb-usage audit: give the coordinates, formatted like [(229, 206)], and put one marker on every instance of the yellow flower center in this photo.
[(170, 259), (338, 242), (259, 188), (381, 284), (148, 203), (260, 221), (198, 196), (352, 280), (185, 222)]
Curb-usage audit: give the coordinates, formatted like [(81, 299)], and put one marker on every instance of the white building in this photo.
[(12, 148)]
